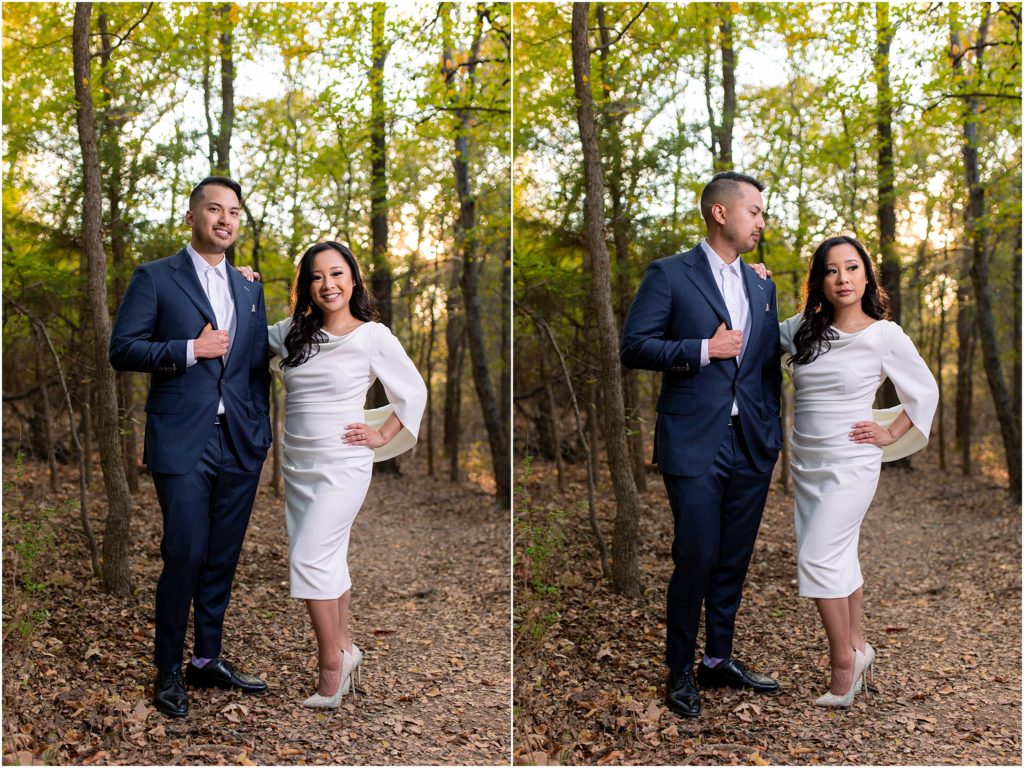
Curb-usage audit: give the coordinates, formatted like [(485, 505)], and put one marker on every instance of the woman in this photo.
[(841, 349), (331, 352)]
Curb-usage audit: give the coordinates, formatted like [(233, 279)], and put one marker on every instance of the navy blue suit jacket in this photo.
[(164, 307), (677, 306)]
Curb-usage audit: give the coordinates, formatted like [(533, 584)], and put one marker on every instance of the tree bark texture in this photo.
[(625, 567), (455, 343), (45, 409), (109, 138), (221, 165), (977, 231), (380, 270), (966, 340), (504, 361), (1016, 330), (227, 91), (939, 350), (724, 160), (467, 239), (116, 568), (890, 267), (431, 340), (621, 226)]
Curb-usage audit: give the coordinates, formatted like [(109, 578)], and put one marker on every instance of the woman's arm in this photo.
[(363, 434), (873, 433)]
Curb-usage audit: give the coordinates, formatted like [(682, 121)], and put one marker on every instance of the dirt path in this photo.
[(942, 562), (430, 611)]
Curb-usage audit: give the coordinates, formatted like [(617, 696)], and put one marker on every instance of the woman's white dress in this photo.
[(834, 478), (326, 479)]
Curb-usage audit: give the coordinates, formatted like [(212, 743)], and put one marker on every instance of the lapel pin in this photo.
[(254, 308)]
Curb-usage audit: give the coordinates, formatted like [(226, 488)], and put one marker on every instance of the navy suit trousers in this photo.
[(206, 512), (717, 516)]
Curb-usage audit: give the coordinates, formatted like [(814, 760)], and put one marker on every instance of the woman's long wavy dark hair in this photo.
[(305, 335), (813, 336)]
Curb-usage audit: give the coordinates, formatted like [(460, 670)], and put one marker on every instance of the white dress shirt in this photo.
[(219, 294), (729, 279)]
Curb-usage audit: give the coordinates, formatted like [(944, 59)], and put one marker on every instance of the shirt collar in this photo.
[(714, 260), (202, 264)]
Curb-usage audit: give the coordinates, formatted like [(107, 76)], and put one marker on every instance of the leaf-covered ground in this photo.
[(941, 557), (430, 604)]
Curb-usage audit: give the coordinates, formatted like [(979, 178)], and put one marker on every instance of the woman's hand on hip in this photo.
[(363, 435), (871, 433)]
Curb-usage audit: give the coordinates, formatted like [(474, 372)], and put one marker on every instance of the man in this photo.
[(200, 331), (711, 327)]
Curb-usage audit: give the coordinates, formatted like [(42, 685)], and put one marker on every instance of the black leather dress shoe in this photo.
[(169, 694), (220, 674), (732, 674), (681, 694)]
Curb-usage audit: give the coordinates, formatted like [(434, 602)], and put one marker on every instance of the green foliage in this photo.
[(806, 124), (541, 537), (29, 533), (539, 559), (29, 546), (299, 147)]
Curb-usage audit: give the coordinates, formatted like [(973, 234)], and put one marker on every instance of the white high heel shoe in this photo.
[(835, 700), (351, 664), (319, 701), (351, 669), (869, 670)]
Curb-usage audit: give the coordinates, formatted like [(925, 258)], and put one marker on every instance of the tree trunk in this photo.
[(45, 410), (550, 414), (85, 428), (592, 429), (976, 229), (109, 137), (256, 227), (227, 91), (1016, 330), (890, 267), (965, 331), (277, 420), (620, 226), (625, 566), (787, 427), (724, 160), (221, 165), (380, 271), (454, 336), (466, 237), (589, 447), (116, 570), (939, 349), (504, 362), (430, 382)]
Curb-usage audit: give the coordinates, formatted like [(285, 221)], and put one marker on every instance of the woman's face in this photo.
[(332, 283), (845, 277)]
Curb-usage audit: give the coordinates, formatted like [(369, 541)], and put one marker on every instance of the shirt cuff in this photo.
[(190, 355), (705, 358)]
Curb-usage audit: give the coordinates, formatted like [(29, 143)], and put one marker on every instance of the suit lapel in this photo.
[(700, 275), (245, 307), (757, 302), (184, 275)]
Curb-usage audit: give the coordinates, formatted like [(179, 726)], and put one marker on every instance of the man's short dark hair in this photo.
[(722, 185), (220, 181)]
